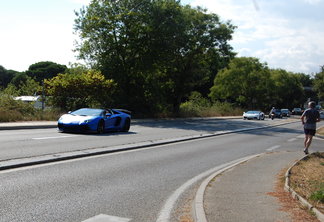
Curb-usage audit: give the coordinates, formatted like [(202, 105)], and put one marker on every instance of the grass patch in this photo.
[(8, 115), (14, 110), (308, 181)]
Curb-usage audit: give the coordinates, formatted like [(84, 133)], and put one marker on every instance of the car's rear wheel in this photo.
[(126, 125), (101, 127)]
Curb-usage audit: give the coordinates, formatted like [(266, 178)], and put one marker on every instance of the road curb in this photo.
[(27, 125), (199, 211), (295, 195)]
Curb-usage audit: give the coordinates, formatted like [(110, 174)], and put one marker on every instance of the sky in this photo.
[(286, 34)]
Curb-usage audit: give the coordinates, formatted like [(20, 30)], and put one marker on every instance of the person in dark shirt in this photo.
[(309, 119)]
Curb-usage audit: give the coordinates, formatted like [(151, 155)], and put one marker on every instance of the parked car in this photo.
[(318, 107), (297, 111), (285, 112), (322, 114), (95, 120), (277, 113), (253, 115)]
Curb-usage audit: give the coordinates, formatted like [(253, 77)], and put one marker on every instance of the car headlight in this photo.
[(86, 121)]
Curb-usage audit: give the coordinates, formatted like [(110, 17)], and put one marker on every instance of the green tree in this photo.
[(156, 51), (72, 91), (245, 82), (6, 76), (288, 90), (23, 85), (319, 84), (307, 82), (45, 70)]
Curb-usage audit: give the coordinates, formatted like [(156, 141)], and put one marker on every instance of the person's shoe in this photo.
[(306, 151)]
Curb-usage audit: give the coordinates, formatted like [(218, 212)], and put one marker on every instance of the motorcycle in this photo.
[(272, 115)]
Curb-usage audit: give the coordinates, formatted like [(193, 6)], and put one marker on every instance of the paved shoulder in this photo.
[(241, 193)]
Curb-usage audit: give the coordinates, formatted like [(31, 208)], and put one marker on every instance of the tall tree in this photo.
[(307, 82), (6, 76), (319, 84), (245, 82), (157, 51), (45, 70), (288, 90)]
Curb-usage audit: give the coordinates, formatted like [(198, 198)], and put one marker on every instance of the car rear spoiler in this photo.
[(124, 111)]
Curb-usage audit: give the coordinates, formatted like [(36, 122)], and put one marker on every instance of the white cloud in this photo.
[(312, 2), (82, 2), (274, 31)]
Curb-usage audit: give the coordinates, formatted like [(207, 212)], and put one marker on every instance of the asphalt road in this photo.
[(134, 184), (37, 142)]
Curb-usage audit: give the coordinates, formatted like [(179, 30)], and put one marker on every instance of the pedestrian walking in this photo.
[(309, 119)]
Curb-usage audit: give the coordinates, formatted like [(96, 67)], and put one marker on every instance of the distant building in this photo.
[(35, 100)]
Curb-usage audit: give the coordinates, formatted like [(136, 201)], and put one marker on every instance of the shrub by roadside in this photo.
[(14, 110), (197, 106)]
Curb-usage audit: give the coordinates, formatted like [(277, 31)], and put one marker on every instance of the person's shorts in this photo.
[(309, 132)]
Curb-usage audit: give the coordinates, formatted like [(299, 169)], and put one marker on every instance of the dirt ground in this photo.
[(307, 178), (290, 205)]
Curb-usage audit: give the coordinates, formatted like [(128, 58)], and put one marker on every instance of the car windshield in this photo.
[(87, 112), (252, 112)]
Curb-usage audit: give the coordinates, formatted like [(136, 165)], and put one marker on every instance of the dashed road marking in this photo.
[(106, 218), (53, 137), (274, 148), (292, 139)]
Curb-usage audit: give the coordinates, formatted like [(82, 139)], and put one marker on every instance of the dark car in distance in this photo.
[(285, 112), (277, 113), (297, 111)]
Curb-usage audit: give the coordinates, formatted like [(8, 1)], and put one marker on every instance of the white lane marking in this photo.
[(292, 139), (53, 137), (106, 218), (274, 148), (165, 213)]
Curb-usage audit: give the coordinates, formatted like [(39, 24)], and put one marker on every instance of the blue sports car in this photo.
[(95, 120)]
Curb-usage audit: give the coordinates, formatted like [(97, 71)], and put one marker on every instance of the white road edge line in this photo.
[(199, 212), (106, 218), (165, 213)]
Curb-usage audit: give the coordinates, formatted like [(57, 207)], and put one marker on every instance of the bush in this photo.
[(197, 106), (15, 110)]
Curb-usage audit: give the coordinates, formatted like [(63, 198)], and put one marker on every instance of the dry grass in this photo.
[(307, 179), (289, 204)]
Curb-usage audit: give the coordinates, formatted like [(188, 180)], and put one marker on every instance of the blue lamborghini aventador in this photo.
[(95, 120)]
